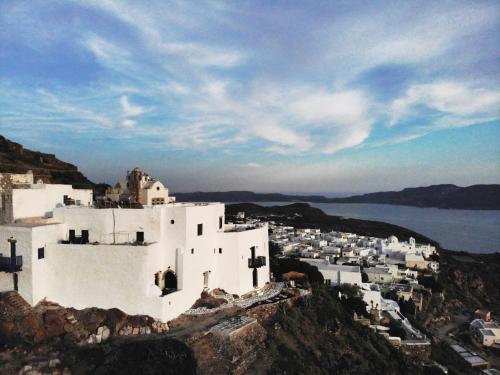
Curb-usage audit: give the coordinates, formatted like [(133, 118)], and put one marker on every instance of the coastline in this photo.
[(321, 219)]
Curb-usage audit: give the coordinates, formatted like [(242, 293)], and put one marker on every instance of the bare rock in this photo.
[(54, 362)]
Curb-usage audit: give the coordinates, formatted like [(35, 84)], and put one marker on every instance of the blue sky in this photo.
[(291, 96)]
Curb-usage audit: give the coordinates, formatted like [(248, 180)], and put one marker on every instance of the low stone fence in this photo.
[(275, 290)]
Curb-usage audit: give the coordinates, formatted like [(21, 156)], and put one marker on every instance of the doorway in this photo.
[(205, 279), (170, 280), (15, 280)]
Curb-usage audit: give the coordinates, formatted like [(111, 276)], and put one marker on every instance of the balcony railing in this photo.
[(256, 262), (8, 264)]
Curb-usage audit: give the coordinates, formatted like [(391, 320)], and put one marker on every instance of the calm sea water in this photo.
[(468, 230)]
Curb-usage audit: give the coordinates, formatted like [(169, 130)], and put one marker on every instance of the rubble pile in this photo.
[(48, 321)]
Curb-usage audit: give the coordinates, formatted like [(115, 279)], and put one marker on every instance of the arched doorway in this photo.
[(170, 281)]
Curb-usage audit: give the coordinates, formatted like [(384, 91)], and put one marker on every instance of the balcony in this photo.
[(256, 262), (8, 264)]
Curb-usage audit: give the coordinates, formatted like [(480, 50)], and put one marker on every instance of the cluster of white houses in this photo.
[(154, 259), (387, 263), (393, 259), (339, 257)]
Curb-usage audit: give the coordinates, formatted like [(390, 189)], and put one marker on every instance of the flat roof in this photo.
[(27, 225), (376, 270), (475, 360), (458, 348)]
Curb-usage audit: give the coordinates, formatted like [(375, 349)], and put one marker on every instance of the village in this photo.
[(387, 273)]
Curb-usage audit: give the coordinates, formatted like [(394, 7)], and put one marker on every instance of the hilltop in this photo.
[(14, 158)]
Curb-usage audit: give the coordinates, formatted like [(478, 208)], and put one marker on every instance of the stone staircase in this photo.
[(17, 302)]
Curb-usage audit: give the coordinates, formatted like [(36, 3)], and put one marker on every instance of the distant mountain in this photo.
[(14, 158), (475, 197)]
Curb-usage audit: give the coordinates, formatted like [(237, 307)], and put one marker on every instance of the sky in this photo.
[(285, 96)]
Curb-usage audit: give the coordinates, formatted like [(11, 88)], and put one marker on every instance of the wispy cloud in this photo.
[(130, 110), (253, 165), (465, 103), (248, 79)]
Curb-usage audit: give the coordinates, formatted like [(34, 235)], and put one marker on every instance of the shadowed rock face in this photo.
[(14, 158), (150, 356)]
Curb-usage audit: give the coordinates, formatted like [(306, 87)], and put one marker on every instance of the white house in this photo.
[(372, 296), (334, 274), (396, 250), (378, 275), (154, 260), (487, 333)]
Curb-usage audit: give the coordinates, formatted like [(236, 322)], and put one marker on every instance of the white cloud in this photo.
[(130, 110), (202, 55), (104, 49), (55, 110), (465, 103), (254, 165), (399, 34), (344, 108), (128, 123)]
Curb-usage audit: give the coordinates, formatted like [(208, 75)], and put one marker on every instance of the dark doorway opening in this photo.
[(16, 280), (72, 236), (170, 280), (85, 236), (255, 278), (12, 250), (140, 237)]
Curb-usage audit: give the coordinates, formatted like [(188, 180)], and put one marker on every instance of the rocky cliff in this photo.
[(14, 158)]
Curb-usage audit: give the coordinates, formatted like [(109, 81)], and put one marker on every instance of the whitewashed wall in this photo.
[(41, 199)]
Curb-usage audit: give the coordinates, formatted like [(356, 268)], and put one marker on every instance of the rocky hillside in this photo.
[(14, 158), (476, 197)]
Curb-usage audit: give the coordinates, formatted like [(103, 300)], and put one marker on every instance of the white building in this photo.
[(154, 260), (378, 275), (334, 274), (140, 188), (372, 296), (487, 333), (394, 249)]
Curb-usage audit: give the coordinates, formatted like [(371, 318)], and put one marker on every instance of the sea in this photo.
[(474, 231)]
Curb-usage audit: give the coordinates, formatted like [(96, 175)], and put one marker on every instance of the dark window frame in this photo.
[(200, 229), (41, 252)]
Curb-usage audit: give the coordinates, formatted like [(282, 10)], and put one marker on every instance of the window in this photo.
[(172, 221), (220, 222), (156, 201), (140, 237), (41, 252), (158, 188), (85, 236), (72, 235), (220, 250), (328, 282), (200, 229), (192, 251)]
